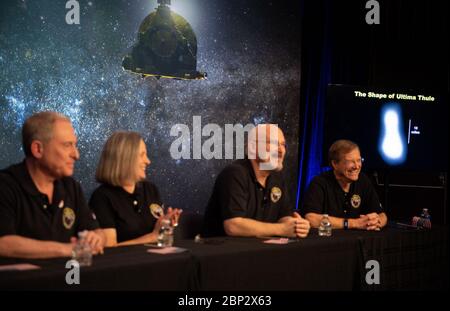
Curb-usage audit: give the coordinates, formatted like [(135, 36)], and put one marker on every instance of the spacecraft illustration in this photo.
[(166, 47)]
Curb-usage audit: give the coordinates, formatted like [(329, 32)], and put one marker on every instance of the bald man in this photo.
[(249, 196)]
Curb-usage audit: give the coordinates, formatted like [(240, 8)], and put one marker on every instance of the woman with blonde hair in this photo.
[(127, 206)]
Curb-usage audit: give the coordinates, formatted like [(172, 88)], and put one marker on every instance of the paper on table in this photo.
[(166, 250), (277, 241), (19, 267)]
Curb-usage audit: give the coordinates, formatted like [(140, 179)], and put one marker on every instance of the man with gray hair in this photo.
[(249, 196), (42, 207)]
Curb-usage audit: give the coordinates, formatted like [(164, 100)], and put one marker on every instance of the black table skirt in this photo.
[(409, 259)]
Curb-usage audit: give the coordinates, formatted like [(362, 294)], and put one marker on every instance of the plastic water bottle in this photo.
[(425, 219), (82, 252), (165, 236), (325, 226)]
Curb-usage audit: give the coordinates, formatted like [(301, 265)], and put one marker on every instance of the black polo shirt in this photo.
[(237, 193), (325, 196), (128, 213), (27, 212)]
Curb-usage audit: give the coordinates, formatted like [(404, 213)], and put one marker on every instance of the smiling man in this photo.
[(42, 208), (344, 193), (249, 196)]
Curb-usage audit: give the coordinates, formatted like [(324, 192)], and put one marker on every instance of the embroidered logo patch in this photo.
[(355, 201), (275, 194), (156, 210), (68, 217)]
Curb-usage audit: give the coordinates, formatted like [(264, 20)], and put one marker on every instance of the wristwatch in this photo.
[(345, 224)]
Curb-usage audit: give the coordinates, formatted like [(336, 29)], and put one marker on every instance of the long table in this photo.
[(407, 259)]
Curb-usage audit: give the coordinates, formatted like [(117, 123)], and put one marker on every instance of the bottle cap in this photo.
[(82, 234), (165, 222)]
